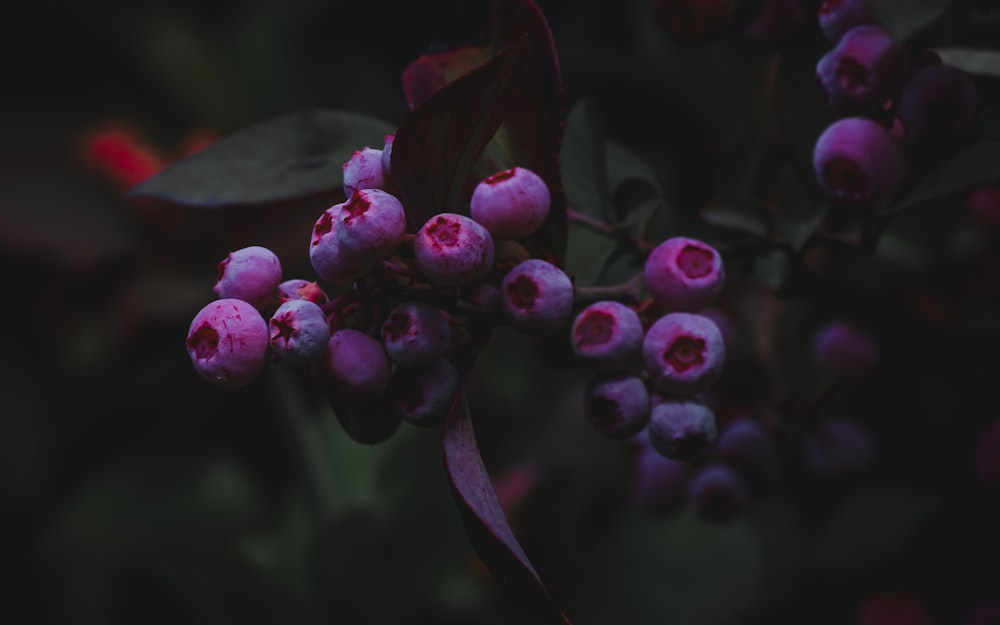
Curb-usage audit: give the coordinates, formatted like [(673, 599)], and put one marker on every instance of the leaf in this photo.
[(281, 159), (432, 70), (873, 525), (973, 61), (485, 523), (518, 91), (584, 168), (743, 215), (905, 18), (799, 212), (969, 166)]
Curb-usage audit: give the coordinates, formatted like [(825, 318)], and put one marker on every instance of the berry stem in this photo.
[(630, 290), (603, 227)]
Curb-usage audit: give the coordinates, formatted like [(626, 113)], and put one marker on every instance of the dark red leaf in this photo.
[(486, 525), (441, 148)]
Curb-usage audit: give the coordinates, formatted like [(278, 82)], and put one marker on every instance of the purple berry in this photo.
[(416, 334), (299, 331), (536, 297), (607, 335), (868, 65), (684, 274), (857, 162), (987, 455), (718, 493), (684, 353), (937, 101), (452, 249), (659, 484), (331, 262), (681, 429), (227, 343), (838, 447), (845, 351), (617, 404), (836, 17), (371, 225), (424, 396), (301, 289), (483, 296), (370, 423), (251, 274), (363, 171), (354, 367), (746, 446), (511, 204)]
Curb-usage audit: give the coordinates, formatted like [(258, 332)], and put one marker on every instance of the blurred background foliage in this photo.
[(135, 492)]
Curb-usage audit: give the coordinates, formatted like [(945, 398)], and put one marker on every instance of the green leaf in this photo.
[(286, 158), (973, 61), (743, 215), (874, 524), (637, 195), (905, 18), (584, 169), (969, 166)]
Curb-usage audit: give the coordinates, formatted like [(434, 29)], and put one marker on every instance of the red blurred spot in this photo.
[(120, 154)]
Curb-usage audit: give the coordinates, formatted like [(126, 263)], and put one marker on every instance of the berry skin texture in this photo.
[(659, 484), (423, 397), (836, 17), (536, 297), (227, 342), (617, 405), (607, 335), (299, 331), (838, 447), (363, 171), (684, 353), (354, 367), (298, 288), (251, 274), (868, 65), (329, 259), (511, 204), (416, 334), (857, 162), (684, 274), (937, 101), (371, 225), (718, 493), (845, 351), (452, 250), (682, 429)]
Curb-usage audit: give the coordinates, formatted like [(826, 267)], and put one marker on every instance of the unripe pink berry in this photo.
[(857, 162), (424, 396), (355, 367), (416, 334), (452, 249), (684, 274), (251, 274), (536, 297), (511, 204), (227, 342), (607, 335), (937, 101), (371, 225), (299, 331), (363, 171), (331, 262), (684, 353), (616, 404), (298, 288)]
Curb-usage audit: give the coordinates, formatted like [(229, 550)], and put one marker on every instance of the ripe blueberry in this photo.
[(536, 297), (299, 331), (363, 171), (424, 396), (684, 353), (857, 162), (659, 484), (329, 259), (718, 493), (301, 289), (746, 446), (607, 335), (845, 351), (227, 343), (867, 65), (452, 249), (937, 101), (371, 225), (415, 334), (511, 204), (682, 429), (354, 367), (251, 274), (617, 404), (684, 274)]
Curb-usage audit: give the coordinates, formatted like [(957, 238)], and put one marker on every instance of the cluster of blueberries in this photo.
[(892, 98)]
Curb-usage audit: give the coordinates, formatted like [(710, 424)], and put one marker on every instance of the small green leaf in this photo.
[(905, 18), (281, 159), (584, 169), (971, 60)]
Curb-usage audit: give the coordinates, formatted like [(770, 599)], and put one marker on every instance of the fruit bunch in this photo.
[(895, 102)]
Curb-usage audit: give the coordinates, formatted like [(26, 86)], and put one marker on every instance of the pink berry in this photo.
[(616, 404), (684, 274), (857, 162), (452, 249), (511, 204), (355, 367), (251, 274), (836, 17), (331, 262), (416, 334), (227, 342), (536, 297), (371, 225), (607, 335), (301, 289), (363, 171), (845, 351), (424, 396), (684, 353), (299, 331), (937, 101), (867, 65)]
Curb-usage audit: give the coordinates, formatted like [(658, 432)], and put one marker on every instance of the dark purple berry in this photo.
[(845, 351), (857, 161), (683, 353), (536, 297), (718, 493), (659, 484), (416, 334), (424, 396), (838, 447), (747, 447), (684, 274), (607, 335), (937, 101), (354, 367), (299, 331), (682, 429), (617, 404)]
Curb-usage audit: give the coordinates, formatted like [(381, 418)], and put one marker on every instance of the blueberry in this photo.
[(371, 225), (330, 260), (867, 66), (536, 297), (299, 331), (363, 171), (616, 404), (424, 396), (937, 101), (607, 335), (682, 429), (511, 204), (659, 484), (744, 445), (845, 351), (838, 447), (452, 249), (227, 342), (416, 334), (836, 17), (251, 274), (684, 274), (857, 161), (298, 288), (718, 493), (354, 367), (683, 353)]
